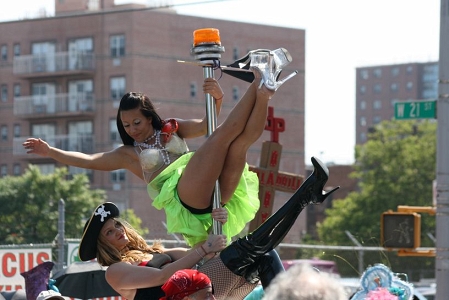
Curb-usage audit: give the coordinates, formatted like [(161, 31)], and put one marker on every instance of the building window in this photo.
[(235, 53), (432, 68), (113, 131), (17, 90), (429, 93), (377, 120), (363, 121), (235, 93), (409, 69), (409, 85), (4, 53), (17, 50), (377, 88), (83, 45), (46, 168), (81, 95), (377, 72), (394, 87), (395, 72), (362, 89), (41, 52), (46, 132), (393, 101), (44, 96), (80, 53), (16, 169), (364, 74), (4, 93), (3, 170), (16, 130), (118, 85), (377, 104), (118, 176), (4, 132), (430, 77), (363, 137), (89, 173), (362, 105), (80, 136), (193, 90), (117, 45)]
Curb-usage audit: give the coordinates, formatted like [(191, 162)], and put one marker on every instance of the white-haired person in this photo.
[(303, 282)]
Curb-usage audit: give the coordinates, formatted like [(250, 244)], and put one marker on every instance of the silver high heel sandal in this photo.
[(270, 64)]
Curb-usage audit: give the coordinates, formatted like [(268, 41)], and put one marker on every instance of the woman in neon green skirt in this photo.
[(182, 182)]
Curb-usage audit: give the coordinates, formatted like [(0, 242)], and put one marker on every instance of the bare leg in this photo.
[(243, 127), (236, 158)]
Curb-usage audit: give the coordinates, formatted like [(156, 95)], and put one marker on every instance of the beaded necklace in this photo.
[(151, 137), (156, 145)]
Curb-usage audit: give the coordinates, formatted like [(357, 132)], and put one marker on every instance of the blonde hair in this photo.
[(137, 248)]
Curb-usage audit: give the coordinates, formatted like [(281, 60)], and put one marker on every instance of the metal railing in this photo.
[(54, 62), (30, 106)]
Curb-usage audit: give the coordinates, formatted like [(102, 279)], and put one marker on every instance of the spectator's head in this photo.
[(305, 283), (50, 295)]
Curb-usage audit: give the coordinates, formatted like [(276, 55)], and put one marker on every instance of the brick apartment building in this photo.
[(378, 88), (62, 78)]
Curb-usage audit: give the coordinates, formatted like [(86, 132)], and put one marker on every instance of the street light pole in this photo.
[(442, 161), (361, 252), (61, 235)]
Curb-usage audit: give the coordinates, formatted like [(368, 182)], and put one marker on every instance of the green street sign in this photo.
[(415, 110)]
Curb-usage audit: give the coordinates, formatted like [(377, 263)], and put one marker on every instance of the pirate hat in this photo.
[(88, 245)]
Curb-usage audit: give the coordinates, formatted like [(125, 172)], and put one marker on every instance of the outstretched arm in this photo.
[(118, 158), (123, 276)]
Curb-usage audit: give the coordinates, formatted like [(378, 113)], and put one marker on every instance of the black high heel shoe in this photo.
[(240, 255), (270, 233), (269, 65), (314, 185)]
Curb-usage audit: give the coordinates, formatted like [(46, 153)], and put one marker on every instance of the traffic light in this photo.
[(400, 230)]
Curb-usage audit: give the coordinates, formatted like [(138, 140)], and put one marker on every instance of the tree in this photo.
[(396, 166), (30, 205)]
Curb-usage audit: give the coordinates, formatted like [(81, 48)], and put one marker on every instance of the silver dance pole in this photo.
[(207, 49)]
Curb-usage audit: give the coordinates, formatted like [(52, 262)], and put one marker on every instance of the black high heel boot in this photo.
[(264, 269), (244, 252)]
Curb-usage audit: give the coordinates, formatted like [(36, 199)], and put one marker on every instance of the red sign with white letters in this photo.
[(16, 261)]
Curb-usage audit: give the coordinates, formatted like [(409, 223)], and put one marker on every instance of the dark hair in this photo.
[(131, 101)]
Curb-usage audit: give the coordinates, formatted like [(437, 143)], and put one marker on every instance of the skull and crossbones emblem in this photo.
[(100, 211)]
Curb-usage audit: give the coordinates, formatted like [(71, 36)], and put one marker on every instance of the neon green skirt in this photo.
[(242, 207)]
